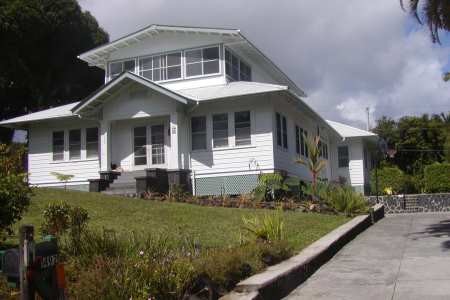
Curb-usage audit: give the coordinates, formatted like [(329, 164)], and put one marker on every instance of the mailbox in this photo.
[(10, 265)]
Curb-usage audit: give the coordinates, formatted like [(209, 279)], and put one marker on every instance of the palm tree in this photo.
[(314, 163), (435, 12)]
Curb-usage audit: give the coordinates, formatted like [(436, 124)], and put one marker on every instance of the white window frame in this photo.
[(339, 158), (250, 126), (63, 145), (239, 59), (98, 142), (81, 143), (202, 61), (205, 132), (136, 68)]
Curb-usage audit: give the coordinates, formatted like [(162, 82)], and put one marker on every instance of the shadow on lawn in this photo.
[(439, 230)]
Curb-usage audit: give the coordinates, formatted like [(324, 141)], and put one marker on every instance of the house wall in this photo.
[(40, 156), (355, 173), (233, 167), (285, 159)]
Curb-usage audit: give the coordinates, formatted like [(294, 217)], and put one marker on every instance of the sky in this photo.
[(345, 54)]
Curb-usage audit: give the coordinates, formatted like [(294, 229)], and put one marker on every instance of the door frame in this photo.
[(148, 147)]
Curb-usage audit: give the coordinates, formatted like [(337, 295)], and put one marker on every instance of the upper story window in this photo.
[(161, 67), (235, 68), (115, 68), (202, 61), (343, 158)]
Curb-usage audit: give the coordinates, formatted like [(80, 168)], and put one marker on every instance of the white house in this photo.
[(200, 102)]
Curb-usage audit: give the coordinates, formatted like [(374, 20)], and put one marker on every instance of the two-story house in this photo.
[(203, 106)]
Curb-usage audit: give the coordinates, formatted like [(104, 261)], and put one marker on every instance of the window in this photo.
[(161, 67), (343, 156), (242, 128), (91, 142), (115, 68), (302, 142), (297, 139), (202, 61), (157, 140), (285, 141), (306, 144), (75, 144), (279, 138), (58, 145), (235, 68), (220, 130), (198, 127), (140, 146)]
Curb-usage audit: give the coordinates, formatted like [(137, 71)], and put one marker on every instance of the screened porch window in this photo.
[(198, 127), (58, 145), (92, 142), (242, 128), (115, 68), (75, 144), (235, 68), (140, 146), (202, 61), (220, 130)]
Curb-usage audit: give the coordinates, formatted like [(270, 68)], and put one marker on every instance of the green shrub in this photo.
[(389, 179), (437, 178), (56, 218), (345, 200), (14, 191), (269, 228), (270, 187)]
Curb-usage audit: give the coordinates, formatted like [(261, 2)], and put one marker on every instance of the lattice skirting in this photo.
[(226, 185)]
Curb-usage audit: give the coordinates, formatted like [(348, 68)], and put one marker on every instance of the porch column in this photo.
[(173, 159), (105, 145)]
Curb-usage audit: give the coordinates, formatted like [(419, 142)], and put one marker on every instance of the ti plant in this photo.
[(314, 162), (63, 178)]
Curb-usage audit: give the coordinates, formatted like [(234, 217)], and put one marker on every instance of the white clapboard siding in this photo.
[(40, 157), (354, 174), (285, 159), (241, 159)]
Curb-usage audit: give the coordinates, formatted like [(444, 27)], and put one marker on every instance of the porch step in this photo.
[(125, 184)]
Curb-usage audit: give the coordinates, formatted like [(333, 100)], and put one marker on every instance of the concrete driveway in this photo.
[(400, 257)]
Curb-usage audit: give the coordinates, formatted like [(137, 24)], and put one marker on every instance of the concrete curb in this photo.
[(278, 280)]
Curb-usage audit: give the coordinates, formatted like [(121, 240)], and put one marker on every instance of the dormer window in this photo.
[(235, 68), (202, 61), (161, 67), (115, 68)]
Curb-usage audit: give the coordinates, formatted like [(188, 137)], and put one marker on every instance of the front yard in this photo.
[(210, 226)]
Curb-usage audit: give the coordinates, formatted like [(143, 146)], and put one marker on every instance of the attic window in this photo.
[(236, 69), (202, 61), (115, 68), (161, 67)]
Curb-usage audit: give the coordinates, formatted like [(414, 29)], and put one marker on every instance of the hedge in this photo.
[(391, 178), (437, 178)]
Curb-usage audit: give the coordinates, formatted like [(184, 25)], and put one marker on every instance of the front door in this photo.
[(149, 146)]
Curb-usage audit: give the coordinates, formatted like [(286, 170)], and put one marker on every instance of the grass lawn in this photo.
[(211, 226)]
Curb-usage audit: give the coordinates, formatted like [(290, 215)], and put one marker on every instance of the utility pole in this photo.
[(368, 118)]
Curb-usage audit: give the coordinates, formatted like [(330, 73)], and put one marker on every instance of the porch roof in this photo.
[(98, 97)]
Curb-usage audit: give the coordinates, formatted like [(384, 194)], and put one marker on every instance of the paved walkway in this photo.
[(400, 257)]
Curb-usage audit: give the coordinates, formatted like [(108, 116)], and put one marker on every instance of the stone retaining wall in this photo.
[(413, 203)]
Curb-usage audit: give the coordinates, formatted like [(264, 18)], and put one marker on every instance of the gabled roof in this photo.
[(232, 89), (99, 55), (62, 111), (347, 131), (96, 99)]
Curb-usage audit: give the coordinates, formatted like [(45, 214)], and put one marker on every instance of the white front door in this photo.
[(149, 146)]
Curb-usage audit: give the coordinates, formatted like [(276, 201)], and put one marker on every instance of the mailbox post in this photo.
[(26, 257)]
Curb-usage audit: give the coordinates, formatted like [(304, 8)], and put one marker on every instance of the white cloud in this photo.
[(346, 54)]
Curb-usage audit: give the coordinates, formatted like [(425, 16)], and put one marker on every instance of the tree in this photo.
[(14, 191), (314, 163), (435, 13), (63, 178), (39, 68)]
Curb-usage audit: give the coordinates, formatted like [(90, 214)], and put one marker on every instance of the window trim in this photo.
[(250, 127), (86, 142), (228, 77), (81, 143), (205, 132), (218, 46), (63, 145), (136, 68), (339, 158), (227, 130)]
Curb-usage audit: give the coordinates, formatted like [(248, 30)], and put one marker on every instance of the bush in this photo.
[(390, 180), (60, 217), (268, 229), (14, 191), (345, 200), (270, 187), (437, 178)]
